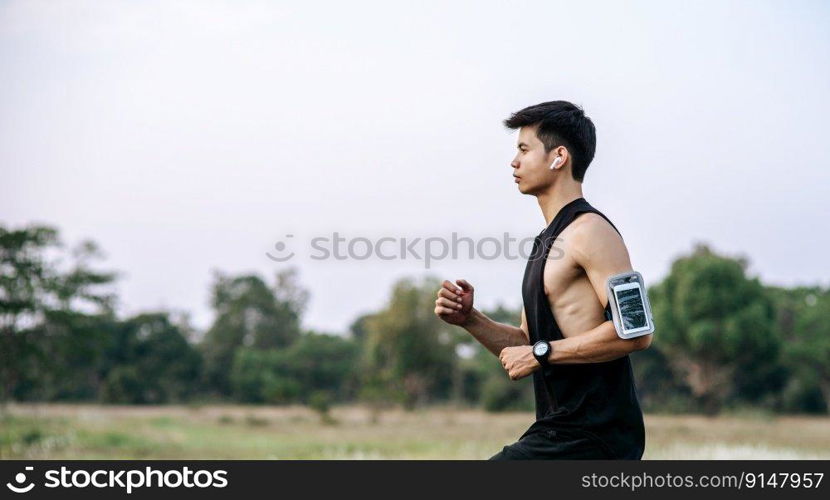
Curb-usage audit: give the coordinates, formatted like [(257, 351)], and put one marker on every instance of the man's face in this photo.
[(531, 165)]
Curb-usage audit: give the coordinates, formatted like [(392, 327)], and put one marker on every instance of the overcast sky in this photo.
[(185, 137)]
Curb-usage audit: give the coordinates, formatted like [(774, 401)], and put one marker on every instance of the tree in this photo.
[(38, 290), (357, 328), (409, 353), (252, 315), (149, 361), (68, 356), (803, 315), (315, 362), (712, 321), (658, 388)]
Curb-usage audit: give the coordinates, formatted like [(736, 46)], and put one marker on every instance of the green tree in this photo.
[(316, 362), (68, 356), (149, 360), (41, 284), (658, 388), (357, 329), (803, 316), (250, 314), (409, 353), (713, 321)]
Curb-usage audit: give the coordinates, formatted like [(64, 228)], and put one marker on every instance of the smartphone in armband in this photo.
[(630, 308)]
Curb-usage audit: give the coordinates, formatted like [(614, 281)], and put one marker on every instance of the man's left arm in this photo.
[(601, 252)]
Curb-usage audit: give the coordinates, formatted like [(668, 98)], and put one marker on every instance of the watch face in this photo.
[(540, 349)]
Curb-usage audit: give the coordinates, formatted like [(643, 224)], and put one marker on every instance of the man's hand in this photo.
[(518, 361), (455, 303)]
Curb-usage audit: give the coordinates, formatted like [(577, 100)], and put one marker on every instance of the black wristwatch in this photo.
[(541, 351)]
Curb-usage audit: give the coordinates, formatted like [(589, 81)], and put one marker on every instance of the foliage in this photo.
[(724, 340), (714, 323)]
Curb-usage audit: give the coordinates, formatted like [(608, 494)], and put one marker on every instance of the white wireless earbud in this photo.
[(556, 162)]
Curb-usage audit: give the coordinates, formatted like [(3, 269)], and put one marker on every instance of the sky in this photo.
[(192, 137)]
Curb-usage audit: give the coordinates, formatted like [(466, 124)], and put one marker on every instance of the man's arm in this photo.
[(496, 336), (601, 252), (595, 346)]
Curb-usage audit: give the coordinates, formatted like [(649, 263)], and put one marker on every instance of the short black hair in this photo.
[(561, 123)]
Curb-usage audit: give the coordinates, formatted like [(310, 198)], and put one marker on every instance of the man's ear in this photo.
[(560, 152)]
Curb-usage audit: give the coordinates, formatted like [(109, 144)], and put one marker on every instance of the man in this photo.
[(586, 400)]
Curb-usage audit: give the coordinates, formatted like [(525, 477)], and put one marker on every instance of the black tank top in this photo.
[(598, 400)]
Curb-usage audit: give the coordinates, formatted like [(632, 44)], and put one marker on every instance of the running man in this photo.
[(586, 400)]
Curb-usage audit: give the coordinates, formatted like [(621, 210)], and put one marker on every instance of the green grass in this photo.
[(249, 432)]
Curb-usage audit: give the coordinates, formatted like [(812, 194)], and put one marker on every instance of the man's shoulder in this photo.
[(594, 240), (591, 227)]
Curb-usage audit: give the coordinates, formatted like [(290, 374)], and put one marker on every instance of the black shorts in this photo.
[(559, 444)]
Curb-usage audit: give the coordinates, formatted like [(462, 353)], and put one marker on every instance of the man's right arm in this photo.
[(496, 336)]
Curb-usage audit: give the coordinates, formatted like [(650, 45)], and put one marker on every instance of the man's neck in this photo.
[(552, 201)]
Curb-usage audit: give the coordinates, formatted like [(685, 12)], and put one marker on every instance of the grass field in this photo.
[(250, 432)]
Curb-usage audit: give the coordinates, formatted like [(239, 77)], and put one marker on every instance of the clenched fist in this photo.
[(518, 361), (455, 303)]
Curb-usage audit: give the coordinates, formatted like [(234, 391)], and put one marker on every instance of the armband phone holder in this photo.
[(628, 306)]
